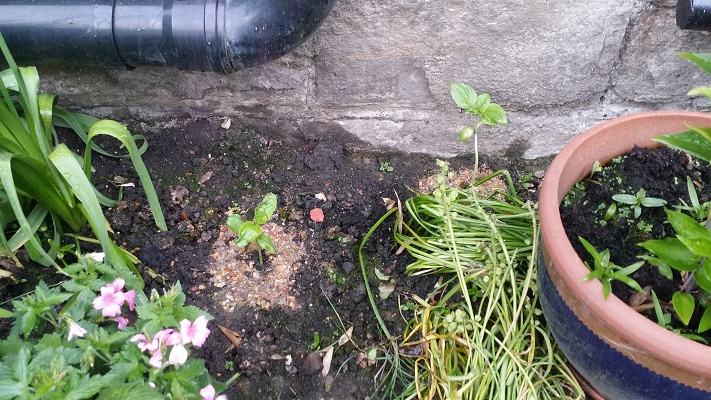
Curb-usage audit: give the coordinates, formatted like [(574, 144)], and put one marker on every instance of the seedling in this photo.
[(386, 167), (250, 233), (607, 271), (638, 201), (697, 210), (484, 111)]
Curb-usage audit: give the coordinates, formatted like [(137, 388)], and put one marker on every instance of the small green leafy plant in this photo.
[(484, 111), (638, 201), (607, 271), (250, 234), (93, 338)]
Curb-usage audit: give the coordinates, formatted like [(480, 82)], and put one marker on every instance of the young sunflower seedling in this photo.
[(250, 232)]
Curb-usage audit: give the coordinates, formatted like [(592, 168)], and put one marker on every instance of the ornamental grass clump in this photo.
[(98, 336), (45, 188), (480, 333)]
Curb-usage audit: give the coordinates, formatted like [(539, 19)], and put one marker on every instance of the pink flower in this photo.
[(130, 299), (208, 393), (75, 330), (122, 322), (112, 298), (195, 333), (166, 337), (156, 360)]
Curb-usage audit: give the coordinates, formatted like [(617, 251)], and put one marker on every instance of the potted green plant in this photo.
[(620, 352)]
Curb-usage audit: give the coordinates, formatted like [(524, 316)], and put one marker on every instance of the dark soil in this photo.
[(662, 173), (204, 172)]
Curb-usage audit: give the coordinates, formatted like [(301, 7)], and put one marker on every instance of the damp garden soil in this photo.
[(203, 172), (662, 173)]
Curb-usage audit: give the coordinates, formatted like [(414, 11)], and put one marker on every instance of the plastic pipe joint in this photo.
[(694, 14), (203, 35)]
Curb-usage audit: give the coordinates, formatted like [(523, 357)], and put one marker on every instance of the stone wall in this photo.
[(381, 69)]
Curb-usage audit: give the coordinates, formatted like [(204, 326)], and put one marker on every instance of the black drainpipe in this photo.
[(202, 35), (694, 14)]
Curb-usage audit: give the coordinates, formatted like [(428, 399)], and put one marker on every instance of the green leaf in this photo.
[(663, 268), (593, 252), (702, 276), (265, 209), (625, 199), (481, 102), (130, 391), (628, 281), (694, 235), (630, 269), (653, 202), (673, 252), (64, 160), (247, 233), (234, 222), (702, 60), (494, 114), (464, 95), (705, 323), (119, 132), (466, 133), (5, 313), (265, 242), (691, 141), (700, 91), (684, 305)]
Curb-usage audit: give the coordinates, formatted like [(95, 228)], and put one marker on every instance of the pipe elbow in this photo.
[(258, 31)]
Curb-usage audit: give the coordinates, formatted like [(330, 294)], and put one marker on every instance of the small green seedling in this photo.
[(698, 211), (607, 271), (386, 167), (250, 232), (484, 111), (638, 201)]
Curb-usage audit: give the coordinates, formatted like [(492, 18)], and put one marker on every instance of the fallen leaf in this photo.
[(226, 123), (386, 289), (346, 337), (381, 275), (327, 361), (317, 215), (389, 203), (233, 336), (321, 196)]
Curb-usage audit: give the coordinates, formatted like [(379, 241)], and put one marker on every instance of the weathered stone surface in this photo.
[(381, 70)]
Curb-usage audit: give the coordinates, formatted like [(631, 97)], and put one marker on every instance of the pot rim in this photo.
[(564, 171)]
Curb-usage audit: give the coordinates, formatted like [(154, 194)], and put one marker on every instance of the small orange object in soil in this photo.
[(316, 215)]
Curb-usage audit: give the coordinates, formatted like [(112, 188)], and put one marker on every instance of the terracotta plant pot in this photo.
[(622, 354)]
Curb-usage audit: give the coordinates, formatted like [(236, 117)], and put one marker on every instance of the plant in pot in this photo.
[(622, 353)]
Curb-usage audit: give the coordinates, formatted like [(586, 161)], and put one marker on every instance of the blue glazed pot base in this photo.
[(612, 374)]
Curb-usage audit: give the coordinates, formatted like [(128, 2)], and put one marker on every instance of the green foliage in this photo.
[(480, 333), (250, 232), (43, 183), (607, 271), (69, 350), (696, 141), (480, 106), (638, 201)]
